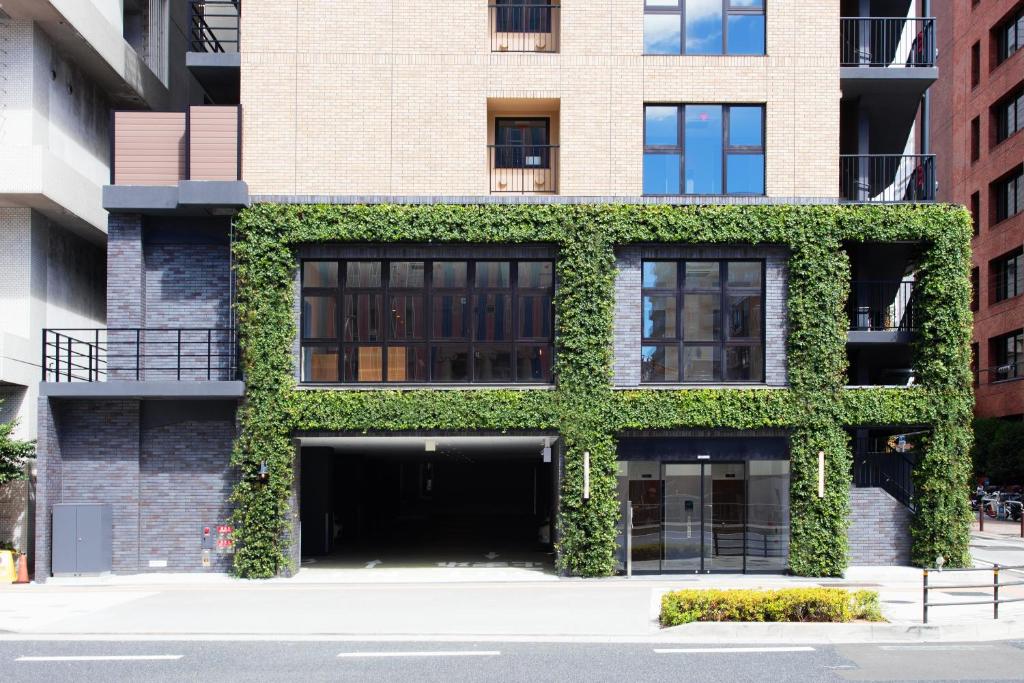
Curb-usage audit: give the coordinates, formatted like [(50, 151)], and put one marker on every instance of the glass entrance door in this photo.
[(683, 529)]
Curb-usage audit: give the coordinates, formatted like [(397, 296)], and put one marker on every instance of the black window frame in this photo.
[(976, 213), (680, 146), (428, 342), (975, 288), (727, 11), (1003, 357), (1008, 193), (1005, 47), (523, 16), (975, 139), (679, 340), (1009, 115), (507, 156), (1007, 275)]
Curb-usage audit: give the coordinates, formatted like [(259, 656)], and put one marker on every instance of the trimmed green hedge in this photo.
[(787, 604), (584, 409)]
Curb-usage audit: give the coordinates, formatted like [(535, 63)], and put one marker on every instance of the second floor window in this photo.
[(703, 321), (703, 149), (1007, 354), (1010, 116), (414, 321), (1010, 37), (1009, 195), (1007, 275), (522, 143), (704, 27)]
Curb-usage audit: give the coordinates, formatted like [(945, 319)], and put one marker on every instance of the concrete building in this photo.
[(977, 115), (354, 119)]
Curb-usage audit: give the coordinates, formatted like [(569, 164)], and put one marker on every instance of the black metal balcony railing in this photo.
[(882, 306), (214, 25), (873, 466), (887, 177), (136, 353), (1001, 373), (524, 169), (887, 41), (525, 26)]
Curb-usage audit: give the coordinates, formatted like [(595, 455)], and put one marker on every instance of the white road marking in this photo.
[(703, 650), (100, 658), (427, 653), (937, 648)]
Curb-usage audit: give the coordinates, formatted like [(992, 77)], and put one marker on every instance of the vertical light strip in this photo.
[(821, 474), (586, 475)]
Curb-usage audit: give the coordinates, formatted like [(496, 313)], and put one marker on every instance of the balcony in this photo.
[(876, 306), (887, 178), (213, 51), (887, 42), (141, 362), (525, 26), (167, 161), (523, 169)]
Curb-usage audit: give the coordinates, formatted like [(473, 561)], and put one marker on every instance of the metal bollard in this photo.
[(981, 515), (995, 591), (925, 602)]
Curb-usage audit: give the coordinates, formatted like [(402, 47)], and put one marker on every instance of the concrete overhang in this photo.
[(83, 33), (218, 73), (187, 198), (454, 446), (30, 176), (911, 81), (872, 337), (162, 389)]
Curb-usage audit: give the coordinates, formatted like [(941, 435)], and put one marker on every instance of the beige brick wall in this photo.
[(391, 96)]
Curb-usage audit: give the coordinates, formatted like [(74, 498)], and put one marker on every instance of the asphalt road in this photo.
[(168, 660)]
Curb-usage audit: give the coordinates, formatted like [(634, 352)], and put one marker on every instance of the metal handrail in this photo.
[(532, 27), (995, 586), (99, 354), (888, 42), (1003, 373), (222, 35), (882, 305), (887, 178), (523, 168)]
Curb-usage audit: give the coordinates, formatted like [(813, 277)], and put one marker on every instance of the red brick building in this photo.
[(977, 119)]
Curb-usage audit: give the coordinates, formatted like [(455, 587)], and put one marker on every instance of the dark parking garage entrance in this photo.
[(445, 501)]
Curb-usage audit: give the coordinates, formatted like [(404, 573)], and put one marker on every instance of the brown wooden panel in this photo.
[(213, 143), (149, 148)]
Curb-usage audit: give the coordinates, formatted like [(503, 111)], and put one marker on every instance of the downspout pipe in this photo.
[(926, 109)]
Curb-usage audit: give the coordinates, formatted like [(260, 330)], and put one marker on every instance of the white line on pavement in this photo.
[(937, 648), (427, 653), (701, 650), (99, 658)]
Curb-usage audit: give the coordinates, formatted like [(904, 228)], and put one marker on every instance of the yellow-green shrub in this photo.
[(788, 604)]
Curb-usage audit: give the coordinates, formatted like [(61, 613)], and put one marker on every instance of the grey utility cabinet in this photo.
[(83, 539)]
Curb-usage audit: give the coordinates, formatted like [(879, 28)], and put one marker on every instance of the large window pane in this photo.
[(533, 363), (767, 515), (702, 317), (449, 316), (746, 34), (406, 275), (701, 364), (319, 364), (407, 317), (320, 274), (493, 317), (703, 149), (659, 320), (745, 315), (449, 363), (407, 364), (362, 317), (659, 364), (449, 274), (659, 274), (661, 34), (745, 174), (535, 316), (745, 126), (362, 274), (744, 274), (704, 27), (702, 275), (661, 174), (744, 363), (662, 126), (364, 364), (493, 364), (536, 275), (319, 317), (492, 274)]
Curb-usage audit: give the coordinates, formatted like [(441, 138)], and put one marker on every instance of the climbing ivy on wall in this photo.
[(584, 409)]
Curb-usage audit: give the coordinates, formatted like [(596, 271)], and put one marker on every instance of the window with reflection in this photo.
[(417, 321), (703, 321), (1010, 37), (703, 149), (704, 27)]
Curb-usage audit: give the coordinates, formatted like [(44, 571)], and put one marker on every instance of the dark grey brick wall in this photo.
[(48, 485), (628, 303), (185, 480), (187, 285), (879, 531), (125, 286)]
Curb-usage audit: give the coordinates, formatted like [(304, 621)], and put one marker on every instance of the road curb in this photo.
[(705, 632)]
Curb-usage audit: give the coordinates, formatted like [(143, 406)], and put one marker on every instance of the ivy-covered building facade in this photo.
[(688, 350)]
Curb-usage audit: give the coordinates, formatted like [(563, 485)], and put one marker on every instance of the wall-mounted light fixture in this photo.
[(586, 475), (545, 450), (429, 446), (821, 474), (264, 472)]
